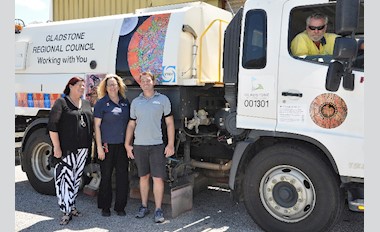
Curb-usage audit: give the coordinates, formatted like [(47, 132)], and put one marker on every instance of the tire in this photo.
[(37, 151), (288, 188), (40, 175)]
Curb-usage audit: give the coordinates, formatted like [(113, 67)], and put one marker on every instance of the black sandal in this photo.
[(75, 212), (65, 219)]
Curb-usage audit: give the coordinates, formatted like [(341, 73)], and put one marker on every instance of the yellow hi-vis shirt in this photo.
[(302, 45)]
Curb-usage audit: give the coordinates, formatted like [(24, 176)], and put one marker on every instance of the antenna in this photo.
[(229, 5)]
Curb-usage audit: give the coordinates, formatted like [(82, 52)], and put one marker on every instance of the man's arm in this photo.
[(298, 46), (169, 149), (128, 138)]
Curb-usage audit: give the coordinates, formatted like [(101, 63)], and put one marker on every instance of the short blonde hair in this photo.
[(102, 88), (147, 73)]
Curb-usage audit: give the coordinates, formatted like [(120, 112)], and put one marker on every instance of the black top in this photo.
[(74, 126)]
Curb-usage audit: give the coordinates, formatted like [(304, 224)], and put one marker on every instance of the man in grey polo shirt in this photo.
[(148, 148)]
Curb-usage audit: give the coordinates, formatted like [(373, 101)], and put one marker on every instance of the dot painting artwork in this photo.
[(146, 48), (328, 110)]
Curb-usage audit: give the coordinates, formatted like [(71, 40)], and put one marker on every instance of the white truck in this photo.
[(284, 134)]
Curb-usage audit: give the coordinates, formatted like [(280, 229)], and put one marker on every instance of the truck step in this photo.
[(356, 205)]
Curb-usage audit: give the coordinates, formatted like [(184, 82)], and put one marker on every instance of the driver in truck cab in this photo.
[(314, 40)]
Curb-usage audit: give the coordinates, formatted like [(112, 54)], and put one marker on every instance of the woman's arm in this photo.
[(54, 136), (98, 138)]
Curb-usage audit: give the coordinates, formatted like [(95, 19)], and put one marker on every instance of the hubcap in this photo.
[(287, 193), (40, 163)]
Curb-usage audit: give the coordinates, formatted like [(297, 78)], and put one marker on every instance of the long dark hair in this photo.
[(72, 81)]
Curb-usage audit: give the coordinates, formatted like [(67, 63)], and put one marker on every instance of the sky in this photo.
[(32, 10)]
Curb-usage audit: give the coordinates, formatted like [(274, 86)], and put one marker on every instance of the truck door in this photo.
[(257, 74), (306, 108)]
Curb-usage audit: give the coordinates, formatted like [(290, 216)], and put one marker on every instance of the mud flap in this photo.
[(181, 198), (93, 171), (178, 197)]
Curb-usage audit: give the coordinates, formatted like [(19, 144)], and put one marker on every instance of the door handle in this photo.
[(292, 94)]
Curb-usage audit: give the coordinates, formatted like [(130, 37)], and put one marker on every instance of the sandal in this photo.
[(75, 212), (65, 219)]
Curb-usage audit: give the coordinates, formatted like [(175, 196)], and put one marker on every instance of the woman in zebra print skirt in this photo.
[(70, 128)]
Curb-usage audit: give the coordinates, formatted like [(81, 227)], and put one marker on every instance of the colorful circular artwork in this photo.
[(328, 110), (146, 48)]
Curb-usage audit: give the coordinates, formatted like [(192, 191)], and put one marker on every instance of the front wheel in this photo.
[(288, 188)]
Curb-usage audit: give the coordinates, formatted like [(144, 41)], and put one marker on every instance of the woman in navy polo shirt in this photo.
[(111, 115)]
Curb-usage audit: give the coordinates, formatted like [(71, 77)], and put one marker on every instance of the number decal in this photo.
[(256, 103)]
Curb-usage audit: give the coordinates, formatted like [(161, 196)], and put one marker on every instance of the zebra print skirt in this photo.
[(67, 176)]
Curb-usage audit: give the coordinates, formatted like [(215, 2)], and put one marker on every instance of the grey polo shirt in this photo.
[(148, 113)]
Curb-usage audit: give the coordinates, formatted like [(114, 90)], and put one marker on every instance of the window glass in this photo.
[(297, 25), (255, 40)]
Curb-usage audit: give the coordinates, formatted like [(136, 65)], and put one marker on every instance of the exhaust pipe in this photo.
[(211, 166)]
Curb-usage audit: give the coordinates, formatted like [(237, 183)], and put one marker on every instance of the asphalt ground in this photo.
[(213, 211)]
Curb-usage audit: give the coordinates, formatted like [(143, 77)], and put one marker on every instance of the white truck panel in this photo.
[(48, 54), (69, 47)]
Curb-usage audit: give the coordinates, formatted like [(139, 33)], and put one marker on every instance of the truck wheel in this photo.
[(288, 188), (37, 151)]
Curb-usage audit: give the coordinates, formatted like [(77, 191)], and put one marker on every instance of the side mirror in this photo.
[(347, 16), (334, 75), (345, 48)]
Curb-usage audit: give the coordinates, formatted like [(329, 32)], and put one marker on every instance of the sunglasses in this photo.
[(317, 28)]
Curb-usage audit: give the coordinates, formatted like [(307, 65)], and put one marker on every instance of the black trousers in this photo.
[(117, 159)]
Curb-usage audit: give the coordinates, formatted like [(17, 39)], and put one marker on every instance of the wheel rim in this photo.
[(40, 163), (287, 193)]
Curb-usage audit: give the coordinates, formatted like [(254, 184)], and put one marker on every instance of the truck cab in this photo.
[(299, 126), (283, 133)]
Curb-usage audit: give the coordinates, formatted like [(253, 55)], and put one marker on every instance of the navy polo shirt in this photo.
[(114, 119)]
